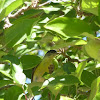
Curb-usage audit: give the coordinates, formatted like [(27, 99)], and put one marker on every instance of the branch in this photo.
[(62, 51), (7, 23), (76, 60), (23, 9), (19, 12)]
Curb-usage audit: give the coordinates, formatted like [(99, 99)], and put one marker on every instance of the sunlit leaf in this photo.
[(62, 43), (97, 97), (65, 98), (19, 77), (16, 34), (95, 87), (90, 6), (68, 26), (7, 6), (93, 48), (80, 69)]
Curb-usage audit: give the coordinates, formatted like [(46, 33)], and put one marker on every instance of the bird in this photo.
[(42, 68)]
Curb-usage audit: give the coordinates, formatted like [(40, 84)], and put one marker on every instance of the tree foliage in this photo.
[(29, 28)]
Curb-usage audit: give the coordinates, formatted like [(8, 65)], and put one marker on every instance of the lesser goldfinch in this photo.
[(43, 66)]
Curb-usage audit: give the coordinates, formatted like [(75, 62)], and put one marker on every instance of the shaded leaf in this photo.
[(5, 70), (15, 90), (28, 73), (56, 84), (30, 61), (87, 77), (69, 67), (5, 82), (12, 59), (65, 80)]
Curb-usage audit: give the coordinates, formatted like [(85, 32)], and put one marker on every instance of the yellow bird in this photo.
[(43, 66)]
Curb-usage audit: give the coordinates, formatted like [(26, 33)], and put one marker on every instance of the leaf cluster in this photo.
[(28, 29)]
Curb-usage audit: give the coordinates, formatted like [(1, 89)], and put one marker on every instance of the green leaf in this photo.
[(80, 69), (12, 59), (87, 77), (95, 87), (28, 14), (99, 10), (7, 6), (28, 73), (19, 77), (5, 82), (97, 97), (1, 27), (45, 93), (56, 84), (61, 43), (90, 6), (5, 70), (16, 69), (33, 84), (17, 74), (35, 90), (47, 38), (65, 98), (55, 89), (30, 61), (93, 48), (18, 32), (2, 93), (50, 8), (13, 93), (68, 26), (69, 67), (21, 49), (2, 53), (66, 80), (65, 90)]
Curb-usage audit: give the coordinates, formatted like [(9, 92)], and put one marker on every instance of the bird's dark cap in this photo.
[(52, 51)]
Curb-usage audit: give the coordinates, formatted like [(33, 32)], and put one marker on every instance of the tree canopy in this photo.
[(30, 28)]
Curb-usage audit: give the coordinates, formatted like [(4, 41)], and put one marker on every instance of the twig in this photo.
[(45, 3), (73, 60), (49, 96), (7, 23), (23, 9), (25, 94), (19, 12)]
